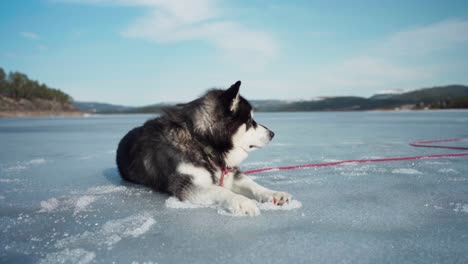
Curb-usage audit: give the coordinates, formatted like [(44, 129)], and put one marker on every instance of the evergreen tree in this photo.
[(17, 85)]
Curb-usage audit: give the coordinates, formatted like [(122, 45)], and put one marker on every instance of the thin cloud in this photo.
[(401, 60), (426, 39), (29, 35), (172, 22), (202, 20)]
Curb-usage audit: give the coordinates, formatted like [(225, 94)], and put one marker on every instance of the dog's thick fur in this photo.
[(183, 152)]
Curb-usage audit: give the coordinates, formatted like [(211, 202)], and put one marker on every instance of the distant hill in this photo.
[(442, 97), (95, 107), (149, 109), (104, 108), (433, 94), (21, 96)]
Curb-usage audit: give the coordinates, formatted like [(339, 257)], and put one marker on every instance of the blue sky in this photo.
[(138, 52)]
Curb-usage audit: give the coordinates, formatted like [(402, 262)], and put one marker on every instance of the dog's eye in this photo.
[(251, 123)]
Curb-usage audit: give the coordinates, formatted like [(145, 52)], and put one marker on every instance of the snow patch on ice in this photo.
[(111, 232), (15, 168), (49, 205), (435, 162), (23, 165), (135, 226), (352, 173), (447, 170), (83, 202), (173, 202), (459, 207), (79, 256), (8, 180), (36, 161), (406, 171), (437, 207), (79, 203), (457, 179)]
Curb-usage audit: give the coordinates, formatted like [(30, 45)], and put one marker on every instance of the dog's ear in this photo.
[(231, 96)]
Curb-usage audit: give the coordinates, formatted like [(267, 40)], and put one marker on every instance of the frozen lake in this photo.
[(62, 201)]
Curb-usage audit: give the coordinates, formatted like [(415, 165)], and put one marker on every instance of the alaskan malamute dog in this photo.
[(193, 151)]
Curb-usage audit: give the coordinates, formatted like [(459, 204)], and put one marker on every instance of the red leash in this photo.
[(424, 144), (224, 172)]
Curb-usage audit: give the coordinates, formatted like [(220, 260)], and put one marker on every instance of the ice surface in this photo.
[(62, 201)]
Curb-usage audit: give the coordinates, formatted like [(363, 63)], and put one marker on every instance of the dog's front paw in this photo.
[(278, 198), (240, 205)]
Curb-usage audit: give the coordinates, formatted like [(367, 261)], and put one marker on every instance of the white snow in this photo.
[(78, 256), (23, 165), (83, 202), (36, 161), (173, 202), (459, 207), (15, 168), (447, 170), (406, 171), (49, 205), (8, 180), (138, 231), (111, 232), (79, 203)]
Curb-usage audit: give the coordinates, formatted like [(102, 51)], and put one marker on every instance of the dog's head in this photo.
[(245, 132), (224, 120)]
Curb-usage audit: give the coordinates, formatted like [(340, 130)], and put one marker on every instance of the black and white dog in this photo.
[(193, 151)]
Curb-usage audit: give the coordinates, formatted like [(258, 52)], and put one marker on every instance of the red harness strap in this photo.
[(224, 171)]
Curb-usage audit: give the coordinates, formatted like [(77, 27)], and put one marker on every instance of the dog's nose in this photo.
[(272, 134)]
